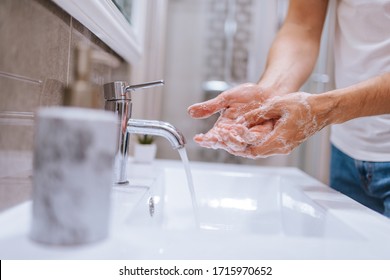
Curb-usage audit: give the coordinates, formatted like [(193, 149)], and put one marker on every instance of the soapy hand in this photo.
[(232, 102), (272, 125), (232, 136), (295, 120), (227, 133)]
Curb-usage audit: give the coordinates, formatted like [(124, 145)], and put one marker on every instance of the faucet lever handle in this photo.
[(145, 85), (121, 90)]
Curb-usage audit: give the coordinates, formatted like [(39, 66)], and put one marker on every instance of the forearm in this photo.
[(290, 61), (368, 98), (294, 51)]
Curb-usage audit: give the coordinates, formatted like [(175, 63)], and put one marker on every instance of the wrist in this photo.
[(278, 83), (326, 108), (329, 107), (274, 89)]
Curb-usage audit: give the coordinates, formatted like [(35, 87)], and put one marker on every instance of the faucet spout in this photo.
[(157, 128), (117, 97)]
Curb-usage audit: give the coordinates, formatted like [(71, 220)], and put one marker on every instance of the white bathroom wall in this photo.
[(183, 70), (147, 102)]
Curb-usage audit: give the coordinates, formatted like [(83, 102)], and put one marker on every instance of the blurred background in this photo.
[(199, 48), (212, 45)]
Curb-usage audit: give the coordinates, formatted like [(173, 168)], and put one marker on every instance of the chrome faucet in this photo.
[(118, 100)]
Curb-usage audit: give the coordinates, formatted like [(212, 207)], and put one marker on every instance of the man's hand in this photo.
[(276, 126), (232, 103), (295, 118), (227, 133)]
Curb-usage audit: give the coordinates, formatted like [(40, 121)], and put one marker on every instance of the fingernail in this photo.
[(198, 137)]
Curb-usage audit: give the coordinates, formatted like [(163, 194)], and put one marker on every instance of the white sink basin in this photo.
[(253, 213), (244, 213), (236, 203)]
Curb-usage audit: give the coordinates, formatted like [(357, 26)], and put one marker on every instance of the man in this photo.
[(271, 117)]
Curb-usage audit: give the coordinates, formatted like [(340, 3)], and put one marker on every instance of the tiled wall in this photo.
[(226, 53), (37, 39)]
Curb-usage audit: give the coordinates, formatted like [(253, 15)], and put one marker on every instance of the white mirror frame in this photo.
[(104, 19)]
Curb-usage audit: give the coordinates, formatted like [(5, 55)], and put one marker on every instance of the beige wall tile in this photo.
[(37, 39)]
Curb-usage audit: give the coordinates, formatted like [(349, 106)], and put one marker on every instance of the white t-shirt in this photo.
[(362, 51)]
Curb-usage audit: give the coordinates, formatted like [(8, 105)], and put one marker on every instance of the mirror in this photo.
[(123, 32), (125, 7)]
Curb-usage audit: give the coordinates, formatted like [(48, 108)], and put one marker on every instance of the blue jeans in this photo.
[(364, 181)]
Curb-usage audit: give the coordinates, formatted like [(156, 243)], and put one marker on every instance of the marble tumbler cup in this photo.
[(73, 173)]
